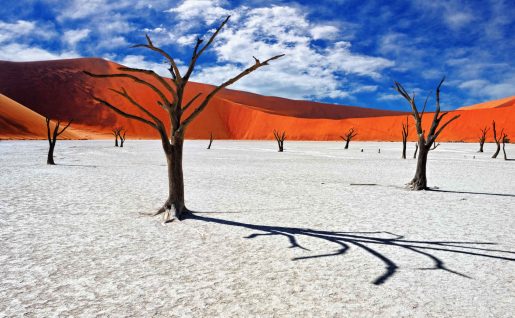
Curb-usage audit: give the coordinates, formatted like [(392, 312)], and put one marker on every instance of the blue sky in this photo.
[(338, 51)]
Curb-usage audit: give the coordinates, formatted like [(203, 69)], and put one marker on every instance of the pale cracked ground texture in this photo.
[(72, 242)]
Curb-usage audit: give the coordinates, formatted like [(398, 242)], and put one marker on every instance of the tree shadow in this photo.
[(370, 242), (70, 165), (468, 192)]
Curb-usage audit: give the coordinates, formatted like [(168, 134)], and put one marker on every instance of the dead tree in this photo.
[(280, 137), (116, 132), (419, 181), (171, 98), (122, 134), (482, 138), (416, 150), (348, 137), (497, 140), (52, 138), (405, 132), (435, 145), (505, 140), (210, 141)]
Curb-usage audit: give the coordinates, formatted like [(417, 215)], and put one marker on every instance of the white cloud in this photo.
[(21, 53), (484, 88), (9, 31), (306, 70), (455, 13), (72, 37)]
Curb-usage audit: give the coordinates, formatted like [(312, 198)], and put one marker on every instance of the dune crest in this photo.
[(60, 89)]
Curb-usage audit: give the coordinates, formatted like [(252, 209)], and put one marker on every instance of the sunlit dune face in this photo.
[(60, 89)]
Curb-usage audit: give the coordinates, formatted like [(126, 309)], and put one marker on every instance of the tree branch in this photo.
[(206, 100), (156, 76), (175, 73), (124, 114)]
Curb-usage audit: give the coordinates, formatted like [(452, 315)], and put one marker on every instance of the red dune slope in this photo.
[(60, 89), (19, 122), (504, 102)]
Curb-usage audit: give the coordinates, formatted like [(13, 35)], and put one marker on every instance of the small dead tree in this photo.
[(416, 150), (210, 140), (497, 140), (419, 181), (172, 100), (348, 137), (405, 132), (435, 145), (280, 137), (482, 138), (52, 138), (116, 132), (505, 140), (122, 134)]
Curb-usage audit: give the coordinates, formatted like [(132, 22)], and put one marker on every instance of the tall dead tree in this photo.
[(505, 140), (280, 137), (348, 137), (419, 181), (210, 141), (171, 98), (405, 132), (122, 134), (416, 150), (116, 132), (52, 138), (497, 140), (482, 138)]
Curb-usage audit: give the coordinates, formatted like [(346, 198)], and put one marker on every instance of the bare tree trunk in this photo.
[(50, 158), (481, 143), (405, 132), (347, 144), (419, 181), (416, 150), (404, 149), (210, 141), (497, 150), (504, 151), (175, 202)]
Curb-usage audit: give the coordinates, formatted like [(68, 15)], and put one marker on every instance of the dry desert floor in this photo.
[(316, 231)]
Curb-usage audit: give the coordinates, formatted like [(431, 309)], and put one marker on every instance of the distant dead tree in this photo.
[(416, 150), (505, 140), (419, 181), (116, 132), (497, 140), (174, 207), (405, 132), (122, 134), (280, 137), (435, 145), (210, 141), (52, 138), (348, 137), (482, 138)]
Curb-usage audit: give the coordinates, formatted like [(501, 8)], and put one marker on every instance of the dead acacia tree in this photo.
[(348, 137), (497, 140), (505, 140), (171, 99), (122, 134), (482, 138), (435, 145), (210, 141), (52, 138), (280, 137), (419, 181), (116, 132), (405, 132)]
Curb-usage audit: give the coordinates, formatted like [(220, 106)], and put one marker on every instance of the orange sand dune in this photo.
[(504, 102), (60, 89), (19, 122)]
